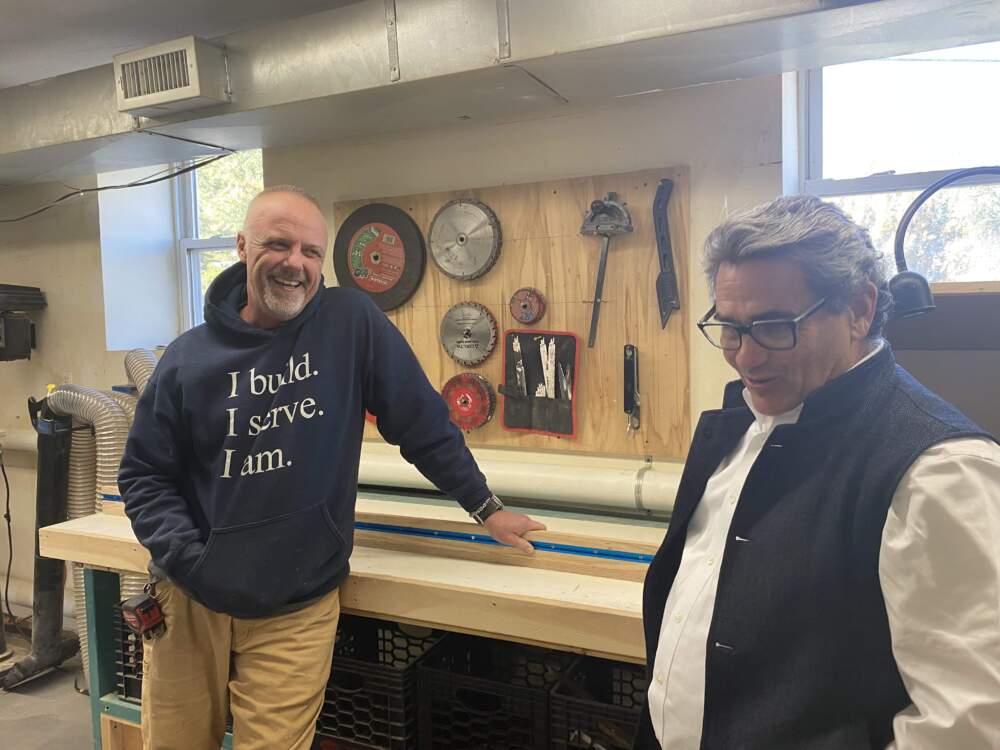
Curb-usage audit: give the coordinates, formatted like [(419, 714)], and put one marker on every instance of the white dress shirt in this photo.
[(939, 568)]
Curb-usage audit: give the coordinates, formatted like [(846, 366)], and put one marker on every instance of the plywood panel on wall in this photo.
[(543, 248)]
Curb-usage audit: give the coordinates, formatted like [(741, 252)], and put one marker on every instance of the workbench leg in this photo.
[(102, 594)]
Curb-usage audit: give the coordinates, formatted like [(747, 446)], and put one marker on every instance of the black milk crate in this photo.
[(128, 659), (371, 697), (482, 694), (597, 704)]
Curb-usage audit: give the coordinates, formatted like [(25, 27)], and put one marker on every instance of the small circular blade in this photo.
[(471, 400), (468, 333), (527, 305)]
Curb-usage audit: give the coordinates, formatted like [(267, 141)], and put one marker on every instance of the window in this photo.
[(214, 201), (880, 131)]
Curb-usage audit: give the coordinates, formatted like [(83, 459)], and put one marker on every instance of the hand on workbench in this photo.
[(509, 528)]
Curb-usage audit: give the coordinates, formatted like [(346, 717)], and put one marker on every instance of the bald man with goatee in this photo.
[(240, 478)]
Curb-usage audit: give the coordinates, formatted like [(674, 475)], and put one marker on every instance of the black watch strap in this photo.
[(489, 506)]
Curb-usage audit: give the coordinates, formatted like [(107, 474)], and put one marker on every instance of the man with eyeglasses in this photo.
[(831, 575)]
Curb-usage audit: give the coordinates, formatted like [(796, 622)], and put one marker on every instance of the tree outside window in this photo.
[(223, 191), (887, 128)]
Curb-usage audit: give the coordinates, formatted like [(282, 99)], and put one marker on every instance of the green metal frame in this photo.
[(102, 595)]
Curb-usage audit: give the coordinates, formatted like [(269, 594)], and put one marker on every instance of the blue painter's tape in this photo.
[(459, 536)]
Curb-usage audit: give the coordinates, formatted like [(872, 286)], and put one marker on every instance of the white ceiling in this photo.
[(44, 38)]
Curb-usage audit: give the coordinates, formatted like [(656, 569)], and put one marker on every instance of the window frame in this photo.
[(188, 254), (813, 182), (188, 248)]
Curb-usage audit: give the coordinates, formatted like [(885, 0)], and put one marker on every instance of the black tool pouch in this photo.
[(539, 414)]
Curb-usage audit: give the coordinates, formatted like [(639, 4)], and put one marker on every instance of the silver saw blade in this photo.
[(465, 239), (468, 333)]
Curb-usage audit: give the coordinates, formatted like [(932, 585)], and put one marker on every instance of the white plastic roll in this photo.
[(631, 484)]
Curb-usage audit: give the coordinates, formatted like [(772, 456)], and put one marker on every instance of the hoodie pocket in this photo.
[(253, 569)]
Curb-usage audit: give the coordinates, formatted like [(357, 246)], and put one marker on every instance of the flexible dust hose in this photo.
[(129, 585), (139, 365), (80, 502), (127, 402), (89, 406)]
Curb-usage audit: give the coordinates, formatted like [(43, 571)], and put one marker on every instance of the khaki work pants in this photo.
[(271, 674)]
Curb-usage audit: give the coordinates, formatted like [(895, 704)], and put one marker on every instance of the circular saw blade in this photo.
[(471, 400), (468, 333), (527, 305), (379, 250), (465, 239)]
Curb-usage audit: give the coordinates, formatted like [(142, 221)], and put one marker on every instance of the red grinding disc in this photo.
[(527, 305), (379, 250), (470, 400)]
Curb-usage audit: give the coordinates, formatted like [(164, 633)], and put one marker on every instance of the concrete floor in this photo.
[(47, 712)]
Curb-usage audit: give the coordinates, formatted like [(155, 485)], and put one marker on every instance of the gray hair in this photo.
[(836, 255)]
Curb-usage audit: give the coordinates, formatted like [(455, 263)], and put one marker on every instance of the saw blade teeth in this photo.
[(468, 333), (465, 239)]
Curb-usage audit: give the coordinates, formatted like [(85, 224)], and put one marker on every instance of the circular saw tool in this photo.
[(527, 305), (471, 400), (468, 333), (379, 250), (465, 239)]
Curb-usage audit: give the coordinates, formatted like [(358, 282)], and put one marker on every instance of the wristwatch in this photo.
[(490, 506)]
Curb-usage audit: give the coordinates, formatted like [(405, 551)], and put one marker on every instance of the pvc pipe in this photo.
[(556, 478)]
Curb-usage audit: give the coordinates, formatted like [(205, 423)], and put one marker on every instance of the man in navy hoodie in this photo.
[(240, 478)]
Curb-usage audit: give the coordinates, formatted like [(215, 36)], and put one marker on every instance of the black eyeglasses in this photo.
[(776, 335)]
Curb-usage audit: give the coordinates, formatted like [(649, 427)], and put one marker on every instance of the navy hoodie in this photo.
[(240, 472)]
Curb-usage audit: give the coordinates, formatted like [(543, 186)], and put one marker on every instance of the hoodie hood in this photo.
[(227, 295)]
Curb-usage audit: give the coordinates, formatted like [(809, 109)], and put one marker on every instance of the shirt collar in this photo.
[(767, 422), (877, 346)]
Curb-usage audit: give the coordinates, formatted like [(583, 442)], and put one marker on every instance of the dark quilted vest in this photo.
[(799, 654)]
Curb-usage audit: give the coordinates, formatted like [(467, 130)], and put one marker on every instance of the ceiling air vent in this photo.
[(171, 77)]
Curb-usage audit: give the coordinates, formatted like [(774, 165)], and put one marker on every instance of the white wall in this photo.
[(728, 134), (60, 252), (139, 268)]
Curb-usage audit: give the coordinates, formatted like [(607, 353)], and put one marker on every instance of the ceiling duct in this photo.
[(175, 76), (374, 67)]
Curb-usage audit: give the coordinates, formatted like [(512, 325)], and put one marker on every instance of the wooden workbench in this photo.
[(490, 592)]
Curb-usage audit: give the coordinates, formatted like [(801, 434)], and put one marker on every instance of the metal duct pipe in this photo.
[(614, 483), (50, 646), (139, 365)]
